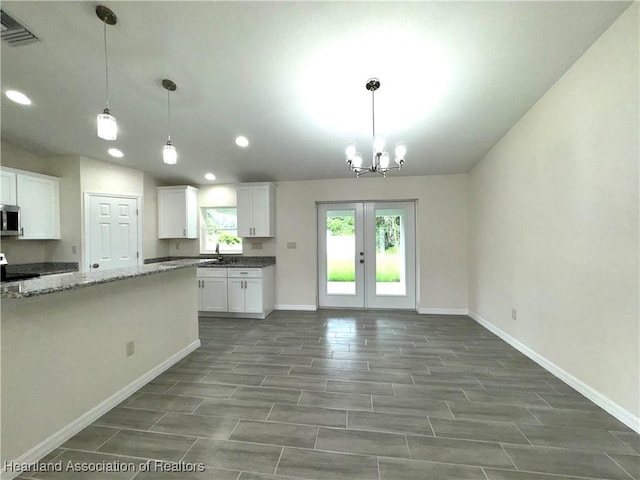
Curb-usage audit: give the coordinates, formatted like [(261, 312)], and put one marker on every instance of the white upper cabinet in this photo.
[(8, 188), (38, 197), (256, 210), (177, 212), (39, 202)]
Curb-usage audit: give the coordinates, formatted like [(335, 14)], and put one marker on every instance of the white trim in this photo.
[(622, 414), (87, 418), (304, 308), (443, 311), (87, 226)]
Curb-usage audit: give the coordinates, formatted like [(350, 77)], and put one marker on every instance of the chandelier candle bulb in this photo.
[(351, 152), (384, 160), (378, 145)]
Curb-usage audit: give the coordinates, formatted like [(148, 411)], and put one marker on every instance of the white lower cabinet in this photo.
[(212, 289), (248, 292)]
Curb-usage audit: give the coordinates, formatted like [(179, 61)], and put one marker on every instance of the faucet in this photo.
[(219, 257)]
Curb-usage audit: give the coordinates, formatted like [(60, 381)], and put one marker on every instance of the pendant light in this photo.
[(107, 126), (169, 152)]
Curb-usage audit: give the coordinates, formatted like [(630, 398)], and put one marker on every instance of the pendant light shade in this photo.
[(169, 152), (107, 125)]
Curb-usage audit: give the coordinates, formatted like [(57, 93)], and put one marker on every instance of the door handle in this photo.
[(95, 265)]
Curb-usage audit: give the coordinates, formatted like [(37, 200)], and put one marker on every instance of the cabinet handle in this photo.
[(184, 232), (22, 231)]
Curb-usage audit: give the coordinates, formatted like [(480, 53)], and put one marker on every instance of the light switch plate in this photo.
[(292, 245)]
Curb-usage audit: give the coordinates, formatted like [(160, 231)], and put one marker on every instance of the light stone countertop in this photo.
[(69, 281)]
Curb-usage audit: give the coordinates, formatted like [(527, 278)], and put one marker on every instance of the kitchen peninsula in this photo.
[(76, 345)]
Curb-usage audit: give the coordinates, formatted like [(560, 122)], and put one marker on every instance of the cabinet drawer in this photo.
[(212, 273), (244, 273)]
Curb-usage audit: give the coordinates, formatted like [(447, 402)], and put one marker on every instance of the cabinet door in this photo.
[(172, 211), (245, 211), (8, 188), (253, 295), (192, 212), (260, 203), (39, 202), (214, 295), (235, 295)]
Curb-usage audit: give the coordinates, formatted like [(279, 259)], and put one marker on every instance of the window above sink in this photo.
[(220, 227)]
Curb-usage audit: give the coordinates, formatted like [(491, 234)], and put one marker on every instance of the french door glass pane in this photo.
[(390, 253), (341, 249)]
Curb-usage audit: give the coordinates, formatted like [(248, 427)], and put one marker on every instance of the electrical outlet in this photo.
[(74, 249), (131, 348), (256, 245), (292, 245), (514, 314), (177, 246)]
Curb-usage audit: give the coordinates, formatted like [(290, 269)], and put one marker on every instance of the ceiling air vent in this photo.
[(13, 33)]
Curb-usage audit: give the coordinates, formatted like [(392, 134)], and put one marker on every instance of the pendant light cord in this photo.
[(106, 65), (373, 113), (373, 121), (169, 105)]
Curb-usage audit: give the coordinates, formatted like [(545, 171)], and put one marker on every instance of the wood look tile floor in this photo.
[(356, 395)]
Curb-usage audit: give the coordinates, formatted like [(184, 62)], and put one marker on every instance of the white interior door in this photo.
[(366, 253), (112, 231)]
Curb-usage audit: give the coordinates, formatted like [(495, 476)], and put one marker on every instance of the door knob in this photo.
[(95, 265)]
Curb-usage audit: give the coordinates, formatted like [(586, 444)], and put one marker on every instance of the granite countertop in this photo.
[(70, 281), (227, 261), (43, 268)]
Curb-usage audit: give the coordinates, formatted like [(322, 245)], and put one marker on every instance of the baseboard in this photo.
[(443, 311), (622, 414), (86, 419), (303, 308)]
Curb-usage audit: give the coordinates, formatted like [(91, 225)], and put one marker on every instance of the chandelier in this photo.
[(380, 161)]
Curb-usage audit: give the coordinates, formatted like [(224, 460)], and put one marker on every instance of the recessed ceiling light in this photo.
[(209, 176), (18, 97), (242, 141), (114, 152)]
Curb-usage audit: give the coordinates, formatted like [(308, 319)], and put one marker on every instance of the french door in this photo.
[(366, 255)]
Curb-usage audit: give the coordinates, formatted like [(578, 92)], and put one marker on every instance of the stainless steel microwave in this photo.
[(9, 220)]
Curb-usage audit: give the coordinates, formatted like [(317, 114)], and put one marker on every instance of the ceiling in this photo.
[(456, 76)]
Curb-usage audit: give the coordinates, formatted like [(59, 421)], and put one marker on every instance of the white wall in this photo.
[(441, 225), (553, 223), (64, 353)]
